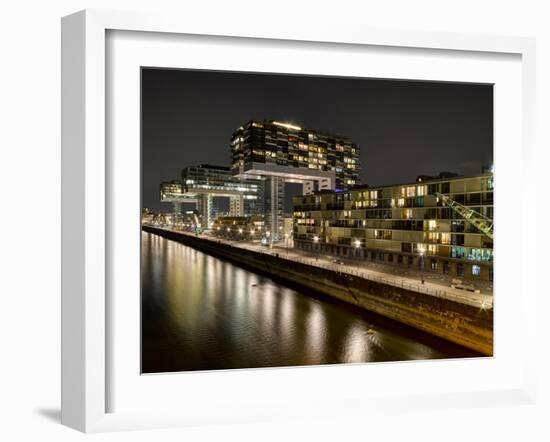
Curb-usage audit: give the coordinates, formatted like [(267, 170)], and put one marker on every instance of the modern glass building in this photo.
[(280, 152), (405, 225), (279, 148), (170, 189), (245, 195)]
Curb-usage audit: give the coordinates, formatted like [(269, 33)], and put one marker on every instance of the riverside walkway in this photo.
[(436, 285)]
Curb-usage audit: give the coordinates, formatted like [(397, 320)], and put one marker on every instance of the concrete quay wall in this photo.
[(459, 323)]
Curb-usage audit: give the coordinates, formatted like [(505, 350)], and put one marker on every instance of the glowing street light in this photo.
[(286, 242), (422, 251)]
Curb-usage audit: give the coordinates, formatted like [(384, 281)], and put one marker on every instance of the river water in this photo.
[(204, 313)]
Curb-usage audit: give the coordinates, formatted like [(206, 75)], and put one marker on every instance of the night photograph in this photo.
[(292, 220)]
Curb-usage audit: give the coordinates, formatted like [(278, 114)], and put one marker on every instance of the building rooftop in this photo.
[(443, 176), (299, 128), (211, 166)]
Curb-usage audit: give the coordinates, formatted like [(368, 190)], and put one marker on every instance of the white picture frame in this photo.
[(86, 208)]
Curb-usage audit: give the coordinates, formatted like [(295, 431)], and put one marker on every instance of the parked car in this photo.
[(337, 261)]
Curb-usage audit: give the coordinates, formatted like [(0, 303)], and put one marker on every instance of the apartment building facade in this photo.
[(404, 225)]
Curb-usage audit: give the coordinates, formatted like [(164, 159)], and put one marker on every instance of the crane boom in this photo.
[(476, 219)]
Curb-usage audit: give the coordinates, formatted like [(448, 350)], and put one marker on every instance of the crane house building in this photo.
[(274, 146), (441, 224)]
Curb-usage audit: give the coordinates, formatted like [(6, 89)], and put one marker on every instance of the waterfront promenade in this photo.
[(464, 318), (436, 285)]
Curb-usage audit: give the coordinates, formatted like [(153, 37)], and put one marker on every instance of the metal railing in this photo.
[(340, 268)]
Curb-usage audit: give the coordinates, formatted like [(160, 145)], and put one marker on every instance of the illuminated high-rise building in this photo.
[(281, 152)]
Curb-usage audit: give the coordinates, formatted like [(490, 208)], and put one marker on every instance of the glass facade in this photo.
[(283, 144), (219, 180), (170, 189)]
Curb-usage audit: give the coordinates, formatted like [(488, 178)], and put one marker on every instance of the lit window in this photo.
[(476, 270)]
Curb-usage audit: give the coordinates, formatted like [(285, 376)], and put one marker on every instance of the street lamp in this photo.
[(286, 242), (422, 251)]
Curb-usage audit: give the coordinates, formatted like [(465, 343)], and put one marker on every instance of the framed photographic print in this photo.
[(262, 223)]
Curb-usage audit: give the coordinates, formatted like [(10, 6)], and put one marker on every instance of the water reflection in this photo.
[(201, 313)]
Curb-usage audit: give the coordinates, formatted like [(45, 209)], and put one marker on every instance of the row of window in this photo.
[(434, 264)]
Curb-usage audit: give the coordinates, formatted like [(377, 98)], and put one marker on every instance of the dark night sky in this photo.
[(403, 128)]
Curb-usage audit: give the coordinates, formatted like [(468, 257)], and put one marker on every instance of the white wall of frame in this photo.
[(29, 321)]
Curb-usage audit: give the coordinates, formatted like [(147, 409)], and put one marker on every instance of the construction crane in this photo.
[(476, 219)]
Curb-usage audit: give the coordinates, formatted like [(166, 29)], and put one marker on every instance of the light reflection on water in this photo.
[(201, 313)]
